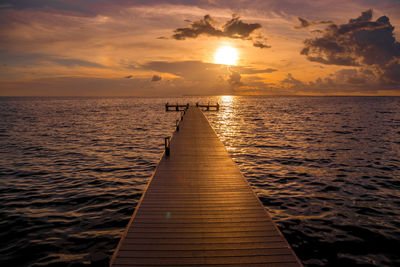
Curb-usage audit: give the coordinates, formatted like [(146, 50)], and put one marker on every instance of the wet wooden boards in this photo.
[(198, 210)]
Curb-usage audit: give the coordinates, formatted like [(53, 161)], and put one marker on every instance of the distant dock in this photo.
[(178, 107), (199, 210)]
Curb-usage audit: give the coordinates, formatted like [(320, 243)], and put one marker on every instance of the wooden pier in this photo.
[(198, 210)]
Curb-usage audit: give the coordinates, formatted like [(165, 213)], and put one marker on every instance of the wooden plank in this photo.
[(269, 264), (206, 260), (204, 247), (202, 235), (198, 210), (214, 240), (203, 253), (201, 229)]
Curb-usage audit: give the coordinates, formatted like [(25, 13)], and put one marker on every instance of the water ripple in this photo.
[(326, 169), (72, 171)]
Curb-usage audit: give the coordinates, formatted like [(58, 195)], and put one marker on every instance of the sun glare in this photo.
[(226, 55)]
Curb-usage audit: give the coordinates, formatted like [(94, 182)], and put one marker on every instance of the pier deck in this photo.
[(199, 210)]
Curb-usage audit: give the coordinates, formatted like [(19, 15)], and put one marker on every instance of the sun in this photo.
[(226, 55)]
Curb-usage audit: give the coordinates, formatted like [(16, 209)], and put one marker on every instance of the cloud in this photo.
[(234, 28), (191, 70), (317, 31), (348, 81), (365, 16), (156, 78), (204, 26), (234, 79), (360, 42), (304, 23), (76, 62), (193, 76), (75, 6), (249, 70), (128, 77), (77, 86), (345, 81), (260, 45), (204, 74), (197, 70)]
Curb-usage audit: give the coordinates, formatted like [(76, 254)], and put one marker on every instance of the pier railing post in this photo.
[(177, 125), (167, 146)]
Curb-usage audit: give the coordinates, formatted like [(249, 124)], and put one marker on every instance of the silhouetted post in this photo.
[(177, 107), (197, 104), (217, 106), (177, 125), (167, 145), (166, 107)]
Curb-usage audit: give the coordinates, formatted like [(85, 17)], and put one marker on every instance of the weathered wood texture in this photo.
[(199, 210)]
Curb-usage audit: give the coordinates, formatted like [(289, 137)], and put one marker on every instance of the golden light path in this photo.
[(226, 55)]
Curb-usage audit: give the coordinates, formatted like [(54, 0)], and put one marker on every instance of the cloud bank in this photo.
[(360, 42), (234, 28)]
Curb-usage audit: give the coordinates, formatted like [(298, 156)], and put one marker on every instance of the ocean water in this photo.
[(326, 168)]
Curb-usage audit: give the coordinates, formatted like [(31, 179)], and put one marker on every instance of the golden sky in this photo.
[(160, 48)]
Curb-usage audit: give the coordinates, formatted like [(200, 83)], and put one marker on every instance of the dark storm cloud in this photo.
[(128, 77), (360, 42), (234, 28), (304, 23), (156, 78)]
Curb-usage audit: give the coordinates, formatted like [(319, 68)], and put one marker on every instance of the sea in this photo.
[(327, 169)]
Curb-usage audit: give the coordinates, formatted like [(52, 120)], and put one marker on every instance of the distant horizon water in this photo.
[(187, 96), (327, 169)]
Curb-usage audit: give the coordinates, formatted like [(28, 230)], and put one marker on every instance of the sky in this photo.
[(167, 48)]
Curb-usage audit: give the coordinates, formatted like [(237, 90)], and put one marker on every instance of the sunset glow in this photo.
[(154, 48), (226, 55)]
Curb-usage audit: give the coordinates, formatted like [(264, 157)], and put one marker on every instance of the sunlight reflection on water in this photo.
[(326, 169)]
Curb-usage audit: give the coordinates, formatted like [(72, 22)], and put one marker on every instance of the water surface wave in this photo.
[(326, 168)]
